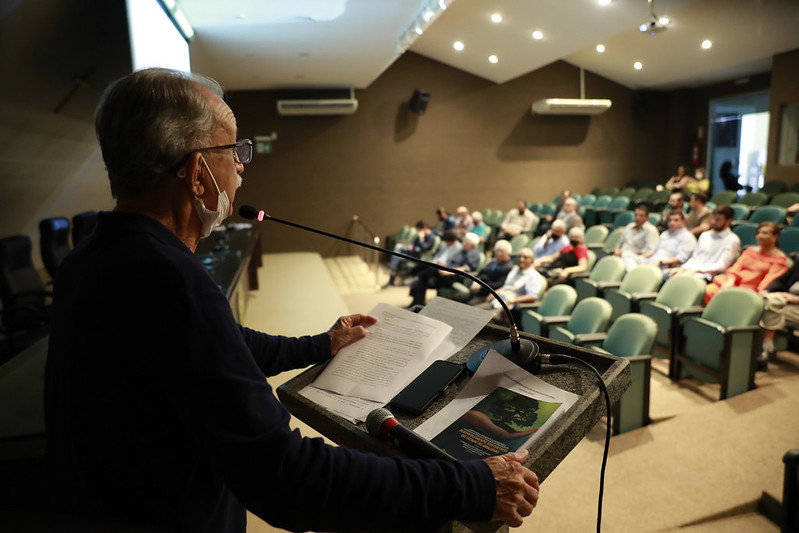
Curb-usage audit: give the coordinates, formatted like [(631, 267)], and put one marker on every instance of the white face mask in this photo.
[(211, 219)]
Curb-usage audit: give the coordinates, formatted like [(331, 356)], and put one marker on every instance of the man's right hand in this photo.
[(517, 487)]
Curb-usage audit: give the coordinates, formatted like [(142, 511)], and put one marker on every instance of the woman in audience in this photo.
[(757, 266), (571, 259), (680, 181)]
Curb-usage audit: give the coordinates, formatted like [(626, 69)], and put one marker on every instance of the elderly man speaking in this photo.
[(158, 415)]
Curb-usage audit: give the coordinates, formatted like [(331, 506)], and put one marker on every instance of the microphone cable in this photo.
[(559, 359)]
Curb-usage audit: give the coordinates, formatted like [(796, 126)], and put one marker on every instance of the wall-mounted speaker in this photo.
[(418, 103)]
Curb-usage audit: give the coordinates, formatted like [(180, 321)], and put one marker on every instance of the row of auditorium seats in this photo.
[(25, 296)]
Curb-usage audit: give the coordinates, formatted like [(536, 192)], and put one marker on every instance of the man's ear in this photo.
[(191, 172)]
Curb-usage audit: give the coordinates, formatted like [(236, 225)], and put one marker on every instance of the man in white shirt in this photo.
[(639, 237), (716, 249), (523, 284), (518, 220), (674, 247)]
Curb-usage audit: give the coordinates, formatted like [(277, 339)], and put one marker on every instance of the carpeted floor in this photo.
[(700, 467)]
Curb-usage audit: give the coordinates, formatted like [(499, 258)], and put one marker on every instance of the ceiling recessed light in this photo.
[(600, 48), (457, 45), (604, 2), (496, 17), (537, 35), (638, 65), (493, 59), (664, 21), (707, 44)]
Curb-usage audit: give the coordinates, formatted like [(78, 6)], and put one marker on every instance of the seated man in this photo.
[(676, 201), (466, 259), (639, 237), (715, 250), (552, 241), (570, 214), (699, 218), (571, 259), (518, 220), (446, 222), (780, 310), (672, 249), (423, 242), (480, 227), (463, 221), (523, 284), (494, 273)]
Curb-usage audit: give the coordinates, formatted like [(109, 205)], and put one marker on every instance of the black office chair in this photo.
[(25, 316), (54, 242), (82, 226)]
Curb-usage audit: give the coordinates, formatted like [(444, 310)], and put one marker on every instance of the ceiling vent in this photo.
[(342, 106), (570, 106)]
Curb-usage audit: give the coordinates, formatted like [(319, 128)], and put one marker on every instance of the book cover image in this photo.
[(499, 423)]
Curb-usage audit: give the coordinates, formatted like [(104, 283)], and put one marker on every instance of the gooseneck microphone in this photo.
[(522, 352), (382, 425)]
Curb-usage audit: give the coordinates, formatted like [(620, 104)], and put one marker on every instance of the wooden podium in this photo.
[(545, 453)]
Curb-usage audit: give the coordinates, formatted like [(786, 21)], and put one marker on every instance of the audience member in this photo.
[(446, 222), (552, 241), (522, 285), (701, 182), (571, 259), (680, 181), (463, 221), (673, 248), (423, 242), (517, 220), (466, 259), (450, 245), (158, 415), (638, 237), (675, 203), (780, 310), (699, 218), (570, 214), (494, 273), (480, 227), (757, 266), (716, 249)]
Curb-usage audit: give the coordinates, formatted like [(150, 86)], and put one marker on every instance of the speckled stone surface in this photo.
[(545, 453)]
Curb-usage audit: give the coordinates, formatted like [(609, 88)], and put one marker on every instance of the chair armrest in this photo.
[(579, 275), (738, 329), (688, 311), (550, 320), (528, 305), (583, 338), (602, 285), (643, 296)]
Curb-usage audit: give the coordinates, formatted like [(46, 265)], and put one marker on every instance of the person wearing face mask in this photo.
[(571, 259), (158, 415)]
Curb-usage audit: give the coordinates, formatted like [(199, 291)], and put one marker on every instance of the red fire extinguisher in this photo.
[(695, 151)]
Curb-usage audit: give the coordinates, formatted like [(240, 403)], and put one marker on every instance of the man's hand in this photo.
[(517, 487), (347, 330)]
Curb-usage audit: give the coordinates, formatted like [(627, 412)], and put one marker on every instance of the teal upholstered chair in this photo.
[(618, 204), (770, 213), (740, 212), (642, 282), (746, 232), (754, 199), (680, 293), (607, 272), (631, 337), (622, 218), (591, 315), (789, 240), (557, 303), (775, 188), (724, 198), (720, 346), (785, 199)]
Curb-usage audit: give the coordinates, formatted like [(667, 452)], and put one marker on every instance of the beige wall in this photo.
[(477, 145), (784, 90)]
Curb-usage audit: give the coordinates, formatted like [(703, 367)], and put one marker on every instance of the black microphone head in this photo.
[(376, 419), (248, 212)]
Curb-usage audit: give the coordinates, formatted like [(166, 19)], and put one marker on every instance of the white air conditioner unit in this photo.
[(571, 106), (342, 106)]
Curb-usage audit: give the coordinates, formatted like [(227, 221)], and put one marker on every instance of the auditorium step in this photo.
[(352, 275)]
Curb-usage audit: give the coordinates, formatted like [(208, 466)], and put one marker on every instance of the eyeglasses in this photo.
[(242, 152)]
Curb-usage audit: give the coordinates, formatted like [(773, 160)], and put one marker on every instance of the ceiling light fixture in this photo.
[(600, 48), (429, 11), (604, 2), (537, 35), (457, 45), (493, 59), (496, 18), (706, 44), (653, 24), (638, 65)]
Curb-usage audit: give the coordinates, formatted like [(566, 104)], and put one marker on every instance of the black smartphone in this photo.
[(429, 385)]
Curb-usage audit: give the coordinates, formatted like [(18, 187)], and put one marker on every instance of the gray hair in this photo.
[(150, 119), (558, 223), (577, 233), (503, 245)]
